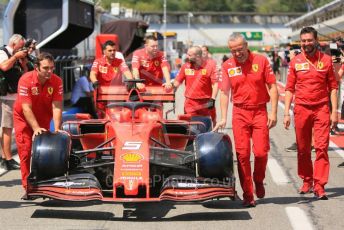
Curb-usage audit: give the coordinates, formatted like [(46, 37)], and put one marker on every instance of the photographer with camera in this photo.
[(30, 46), (12, 66)]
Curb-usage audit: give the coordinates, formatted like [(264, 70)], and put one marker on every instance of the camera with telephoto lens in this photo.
[(337, 48)]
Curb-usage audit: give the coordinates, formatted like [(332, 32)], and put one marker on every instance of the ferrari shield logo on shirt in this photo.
[(34, 91), (204, 71), (115, 69), (103, 69), (50, 90), (301, 66), (255, 67), (156, 63), (320, 65), (189, 72), (232, 72)]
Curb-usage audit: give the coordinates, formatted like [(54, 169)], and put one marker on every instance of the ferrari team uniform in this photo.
[(109, 74), (198, 88), (40, 97), (150, 69), (247, 81), (311, 79)]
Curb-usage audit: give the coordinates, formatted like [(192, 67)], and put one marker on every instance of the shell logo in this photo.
[(132, 157)]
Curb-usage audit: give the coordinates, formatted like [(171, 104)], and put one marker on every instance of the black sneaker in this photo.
[(341, 165), (12, 165), (3, 164), (292, 148)]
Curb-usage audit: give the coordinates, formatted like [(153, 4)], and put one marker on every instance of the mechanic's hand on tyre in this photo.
[(211, 103), (219, 125), (38, 131)]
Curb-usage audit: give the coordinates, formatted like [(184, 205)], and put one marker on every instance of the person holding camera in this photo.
[(30, 46), (12, 66)]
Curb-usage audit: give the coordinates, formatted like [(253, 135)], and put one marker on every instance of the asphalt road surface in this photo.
[(282, 208)]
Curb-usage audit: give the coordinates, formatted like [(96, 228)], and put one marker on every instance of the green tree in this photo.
[(260, 6)]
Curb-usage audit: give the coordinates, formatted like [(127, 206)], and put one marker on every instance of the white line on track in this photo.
[(277, 173), (337, 149), (298, 219)]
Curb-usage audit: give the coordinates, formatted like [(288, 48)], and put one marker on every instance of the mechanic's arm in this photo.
[(272, 118), (340, 73), (127, 74), (334, 114), (136, 74), (215, 90), (176, 83), (93, 76), (167, 77), (224, 98), (57, 114), (287, 102), (31, 119)]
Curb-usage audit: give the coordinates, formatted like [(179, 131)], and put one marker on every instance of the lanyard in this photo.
[(319, 63)]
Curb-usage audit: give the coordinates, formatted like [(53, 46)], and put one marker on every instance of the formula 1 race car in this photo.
[(132, 154)]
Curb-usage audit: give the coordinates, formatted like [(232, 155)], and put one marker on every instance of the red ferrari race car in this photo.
[(132, 154)]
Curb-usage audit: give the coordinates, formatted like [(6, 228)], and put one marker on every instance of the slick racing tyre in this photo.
[(50, 155), (214, 155)]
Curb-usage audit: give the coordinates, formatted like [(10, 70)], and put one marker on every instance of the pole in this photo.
[(188, 41), (164, 21)]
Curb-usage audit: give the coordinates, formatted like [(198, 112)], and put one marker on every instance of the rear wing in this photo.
[(121, 93)]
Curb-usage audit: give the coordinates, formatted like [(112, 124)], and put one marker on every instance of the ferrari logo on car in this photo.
[(132, 157)]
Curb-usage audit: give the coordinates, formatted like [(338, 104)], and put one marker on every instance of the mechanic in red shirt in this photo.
[(201, 84), (149, 63), (311, 78), (253, 84), (108, 69), (40, 94)]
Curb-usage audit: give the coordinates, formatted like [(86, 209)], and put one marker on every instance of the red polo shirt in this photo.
[(30, 91), (311, 78), (198, 81), (150, 69), (109, 74), (248, 80)]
